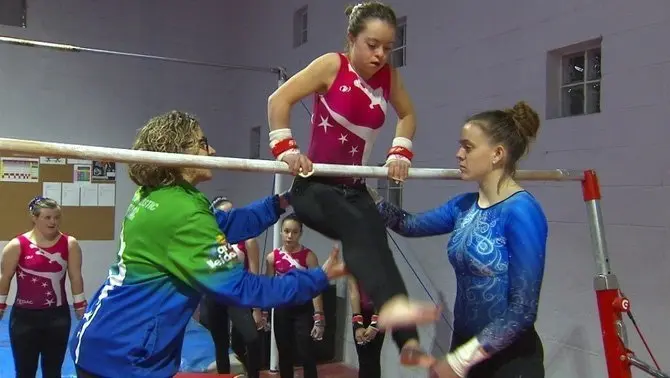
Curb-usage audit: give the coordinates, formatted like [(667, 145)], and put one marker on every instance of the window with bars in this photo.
[(580, 82), (399, 53), (255, 142), (13, 13), (300, 27)]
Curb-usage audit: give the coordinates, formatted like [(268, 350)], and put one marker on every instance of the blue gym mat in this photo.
[(197, 353)]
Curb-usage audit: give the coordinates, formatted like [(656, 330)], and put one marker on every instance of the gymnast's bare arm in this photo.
[(313, 262), (74, 264), (315, 78), (8, 264), (253, 256), (403, 106)]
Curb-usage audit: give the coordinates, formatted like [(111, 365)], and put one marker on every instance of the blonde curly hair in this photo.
[(173, 132)]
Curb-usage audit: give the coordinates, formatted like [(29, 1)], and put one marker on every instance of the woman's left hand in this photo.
[(258, 318), (285, 200), (334, 266), (398, 170)]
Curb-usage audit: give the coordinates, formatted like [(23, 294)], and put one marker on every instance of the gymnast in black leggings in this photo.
[(352, 91), (368, 338), (296, 327), (40, 320), (243, 336)]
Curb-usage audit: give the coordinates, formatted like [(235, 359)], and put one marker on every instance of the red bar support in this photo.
[(591, 186), (616, 353), (610, 302)]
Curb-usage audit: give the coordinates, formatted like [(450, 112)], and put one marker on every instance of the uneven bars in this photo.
[(24, 148), (72, 48)]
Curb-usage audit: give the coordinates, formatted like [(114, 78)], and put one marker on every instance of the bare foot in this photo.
[(401, 312)]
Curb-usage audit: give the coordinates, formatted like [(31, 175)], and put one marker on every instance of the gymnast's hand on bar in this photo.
[(334, 267), (398, 170), (298, 164)]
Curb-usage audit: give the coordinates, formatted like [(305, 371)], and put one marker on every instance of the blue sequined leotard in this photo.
[(498, 256)]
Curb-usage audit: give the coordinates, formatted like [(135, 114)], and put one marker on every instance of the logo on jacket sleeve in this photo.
[(222, 255)]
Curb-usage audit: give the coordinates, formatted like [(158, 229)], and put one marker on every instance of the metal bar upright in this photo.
[(610, 302), (276, 243)]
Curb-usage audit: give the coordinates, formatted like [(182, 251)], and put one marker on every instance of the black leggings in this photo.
[(292, 326), (39, 335), (243, 338), (348, 214), (523, 358), (369, 355)]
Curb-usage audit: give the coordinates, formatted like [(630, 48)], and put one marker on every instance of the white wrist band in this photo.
[(402, 142), (79, 298), (279, 134), (3, 299), (466, 356)]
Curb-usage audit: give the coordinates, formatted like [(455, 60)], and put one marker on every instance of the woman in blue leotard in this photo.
[(497, 248)]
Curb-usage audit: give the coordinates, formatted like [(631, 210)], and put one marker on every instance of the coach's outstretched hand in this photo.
[(285, 200), (334, 267)]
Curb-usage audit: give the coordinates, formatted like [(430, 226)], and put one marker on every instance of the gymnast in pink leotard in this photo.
[(41, 259)]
